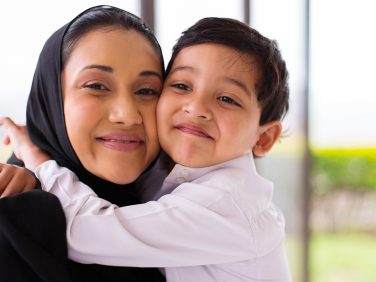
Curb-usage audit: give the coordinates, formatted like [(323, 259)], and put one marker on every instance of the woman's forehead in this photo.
[(117, 47)]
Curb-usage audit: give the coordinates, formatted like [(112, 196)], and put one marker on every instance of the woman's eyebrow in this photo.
[(99, 67), (151, 73), (111, 70)]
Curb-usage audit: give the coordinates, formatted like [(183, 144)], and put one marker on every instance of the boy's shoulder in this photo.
[(235, 174), (231, 191), (237, 180)]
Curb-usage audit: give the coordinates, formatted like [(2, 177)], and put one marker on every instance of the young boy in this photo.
[(213, 218)]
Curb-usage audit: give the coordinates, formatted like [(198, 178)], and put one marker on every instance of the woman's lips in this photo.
[(123, 142), (193, 130)]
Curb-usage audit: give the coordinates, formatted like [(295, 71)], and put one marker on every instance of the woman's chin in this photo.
[(120, 178)]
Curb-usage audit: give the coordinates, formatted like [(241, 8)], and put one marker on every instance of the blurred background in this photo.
[(324, 169)]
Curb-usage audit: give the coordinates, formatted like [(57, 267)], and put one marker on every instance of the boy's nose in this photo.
[(124, 110), (198, 107)]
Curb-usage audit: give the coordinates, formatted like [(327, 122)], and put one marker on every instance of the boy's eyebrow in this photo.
[(109, 69), (238, 83), (231, 80), (182, 68)]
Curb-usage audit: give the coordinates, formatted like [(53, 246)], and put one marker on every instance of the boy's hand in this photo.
[(16, 136), (15, 180), (23, 147)]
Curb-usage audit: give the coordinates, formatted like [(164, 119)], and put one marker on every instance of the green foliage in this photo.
[(344, 168), (345, 257)]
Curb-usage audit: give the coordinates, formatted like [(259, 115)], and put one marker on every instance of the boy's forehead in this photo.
[(218, 64), (227, 59), (216, 58)]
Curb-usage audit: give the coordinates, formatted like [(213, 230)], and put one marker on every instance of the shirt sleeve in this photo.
[(174, 231)]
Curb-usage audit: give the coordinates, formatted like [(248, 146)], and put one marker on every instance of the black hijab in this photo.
[(46, 123)]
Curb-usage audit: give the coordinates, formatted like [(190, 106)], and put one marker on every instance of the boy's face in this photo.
[(208, 111)]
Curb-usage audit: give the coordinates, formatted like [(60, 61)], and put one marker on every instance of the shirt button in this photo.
[(184, 173), (180, 180)]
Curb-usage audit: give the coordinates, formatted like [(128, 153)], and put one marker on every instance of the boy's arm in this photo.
[(14, 179), (23, 148), (171, 232)]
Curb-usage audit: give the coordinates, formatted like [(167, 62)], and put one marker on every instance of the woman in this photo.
[(91, 108)]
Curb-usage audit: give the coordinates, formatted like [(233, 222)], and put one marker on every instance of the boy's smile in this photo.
[(192, 129), (208, 111)]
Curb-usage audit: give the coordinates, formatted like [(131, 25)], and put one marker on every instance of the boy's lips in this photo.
[(193, 130), (121, 141)]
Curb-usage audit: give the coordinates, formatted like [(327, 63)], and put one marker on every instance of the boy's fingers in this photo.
[(11, 127), (14, 131), (7, 122), (6, 140)]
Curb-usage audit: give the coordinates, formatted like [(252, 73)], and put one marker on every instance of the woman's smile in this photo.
[(121, 141)]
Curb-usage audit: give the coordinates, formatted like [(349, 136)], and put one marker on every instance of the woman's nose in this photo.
[(197, 106), (124, 110)]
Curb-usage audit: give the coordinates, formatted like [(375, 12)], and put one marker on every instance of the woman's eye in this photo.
[(148, 92), (181, 86), (96, 86), (228, 100)]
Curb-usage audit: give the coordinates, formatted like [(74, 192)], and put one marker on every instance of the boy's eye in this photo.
[(96, 86), (148, 92), (228, 100), (181, 86)]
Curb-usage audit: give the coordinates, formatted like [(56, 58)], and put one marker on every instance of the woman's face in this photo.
[(111, 84)]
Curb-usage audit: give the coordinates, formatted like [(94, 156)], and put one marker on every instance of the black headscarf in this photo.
[(46, 123)]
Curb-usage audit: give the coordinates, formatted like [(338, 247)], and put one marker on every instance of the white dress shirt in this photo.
[(210, 224)]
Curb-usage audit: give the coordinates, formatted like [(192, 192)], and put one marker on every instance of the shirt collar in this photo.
[(181, 174)]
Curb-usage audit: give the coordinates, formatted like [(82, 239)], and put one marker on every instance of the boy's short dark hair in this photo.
[(272, 87)]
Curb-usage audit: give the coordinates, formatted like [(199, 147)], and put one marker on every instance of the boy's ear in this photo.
[(269, 134)]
